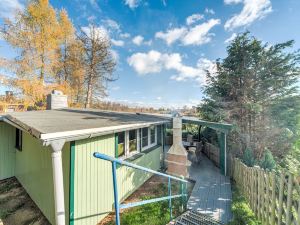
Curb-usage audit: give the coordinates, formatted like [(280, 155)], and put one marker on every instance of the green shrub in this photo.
[(242, 213), (248, 157), (267, 161)]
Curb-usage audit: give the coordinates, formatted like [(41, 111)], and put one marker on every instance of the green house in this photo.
[(51, 154)]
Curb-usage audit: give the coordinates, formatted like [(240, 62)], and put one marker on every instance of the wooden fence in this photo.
[(273, 197)]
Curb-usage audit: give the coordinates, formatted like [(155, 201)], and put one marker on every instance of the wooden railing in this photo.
[(273, 196)]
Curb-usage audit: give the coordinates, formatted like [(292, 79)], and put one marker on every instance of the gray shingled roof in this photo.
[(68, 119)]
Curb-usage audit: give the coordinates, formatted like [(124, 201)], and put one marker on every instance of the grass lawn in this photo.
[(242, 213), (150, 214)]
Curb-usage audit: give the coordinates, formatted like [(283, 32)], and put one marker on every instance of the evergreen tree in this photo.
[(267, 161), (255, 88), (248, 157)]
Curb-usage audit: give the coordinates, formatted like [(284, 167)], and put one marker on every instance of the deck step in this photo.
[(192, 217)]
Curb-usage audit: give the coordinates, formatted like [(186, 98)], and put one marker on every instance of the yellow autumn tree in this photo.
[(70, 72), (39, 36)]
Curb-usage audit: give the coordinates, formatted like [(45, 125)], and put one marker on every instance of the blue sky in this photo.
[(163, 47)]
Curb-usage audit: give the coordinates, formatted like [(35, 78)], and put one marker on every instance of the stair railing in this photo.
[(119, 206)]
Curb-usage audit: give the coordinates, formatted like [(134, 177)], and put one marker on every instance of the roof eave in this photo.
[(95, 132)]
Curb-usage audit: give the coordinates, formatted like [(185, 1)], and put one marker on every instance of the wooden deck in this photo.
[(212, 192)]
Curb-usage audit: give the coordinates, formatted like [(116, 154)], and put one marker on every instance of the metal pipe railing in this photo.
[(118, 206)]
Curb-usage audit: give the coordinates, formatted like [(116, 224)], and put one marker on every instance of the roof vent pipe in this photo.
[(57, 100)]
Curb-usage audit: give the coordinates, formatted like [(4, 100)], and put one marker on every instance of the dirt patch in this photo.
[(16, 207)]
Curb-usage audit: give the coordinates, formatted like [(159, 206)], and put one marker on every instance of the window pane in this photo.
[(132, 140), (121, 144), (144, 137), (19, 139), (152, 133)]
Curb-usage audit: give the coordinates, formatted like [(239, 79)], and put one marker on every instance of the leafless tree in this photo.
[(99, 62)]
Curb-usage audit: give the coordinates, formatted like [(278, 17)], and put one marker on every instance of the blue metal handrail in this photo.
[(118, 206)]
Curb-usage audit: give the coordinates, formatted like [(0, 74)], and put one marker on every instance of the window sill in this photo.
[(140, 154)]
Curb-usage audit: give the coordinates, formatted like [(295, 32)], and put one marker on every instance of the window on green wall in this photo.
[(152, 134), (121, 144), (132, 141), (19, 139), (145, 137)]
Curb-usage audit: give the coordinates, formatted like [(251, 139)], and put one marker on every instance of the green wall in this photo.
[(7, 150), (34, 171), (93, 189)]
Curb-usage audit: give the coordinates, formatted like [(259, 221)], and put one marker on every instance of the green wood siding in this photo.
[(34, 171), (93, 189), (7, 150)]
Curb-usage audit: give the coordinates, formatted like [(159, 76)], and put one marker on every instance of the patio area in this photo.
[(212, 191)]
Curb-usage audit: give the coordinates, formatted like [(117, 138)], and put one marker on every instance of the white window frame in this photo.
[(127, 153), (139, 133), (149, 138)]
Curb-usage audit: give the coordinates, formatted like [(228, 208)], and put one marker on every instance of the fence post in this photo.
[(289, 199), (280, 206), (182, 197), (267, 201), (254, 190), (298, 216), (259, 194), (116, 198), (170, 194), (273, 198)]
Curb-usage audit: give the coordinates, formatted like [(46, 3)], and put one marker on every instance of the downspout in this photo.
[(58, 181)]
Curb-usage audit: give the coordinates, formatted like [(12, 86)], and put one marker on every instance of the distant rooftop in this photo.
[(70, 123)]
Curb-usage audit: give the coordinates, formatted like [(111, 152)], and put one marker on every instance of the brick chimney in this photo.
[(177, 155), (57, 100)]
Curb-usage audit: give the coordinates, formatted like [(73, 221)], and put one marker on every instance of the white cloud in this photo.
[(209, 11), (158, 98), (228, 2), (138, 40), (100, 32), (125, 35), (199, 34), (194, 18), (8, 8), (148, 42), (171, 35), (115, 88), (95, 4), (145, 63), (115, 55), (117, 42), (252, 10), (155, 62), (111, 24), (91, 18), (132, 3), (196, 35), (231, 38)]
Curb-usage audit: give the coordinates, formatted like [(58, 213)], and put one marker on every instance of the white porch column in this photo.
[(58, 181)]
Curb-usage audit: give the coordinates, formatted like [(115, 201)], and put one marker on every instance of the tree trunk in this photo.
[(89, 94)]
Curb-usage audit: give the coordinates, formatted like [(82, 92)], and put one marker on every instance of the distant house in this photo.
[(50, 153)]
